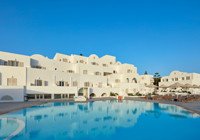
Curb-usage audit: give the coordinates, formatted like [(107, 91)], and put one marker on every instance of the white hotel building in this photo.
[(64, 76), (183, 78)]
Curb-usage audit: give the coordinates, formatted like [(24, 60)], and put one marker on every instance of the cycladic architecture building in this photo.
[(64, 76), (189, 81)]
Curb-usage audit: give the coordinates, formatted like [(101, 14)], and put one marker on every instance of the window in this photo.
[(12, 81), (75, 83), (183, 78), (39, 67), (81, 61), (134, 80), (39, 83), (117, 81), (188, 78), (61, 83), (127, 80), (172, 79), (15, 63), (166, 80), (176, 79), (97, 73), (100, 85), (105, 65), (129, 71), (85, 72), (70, 71), (111, 63), (114, 72), (71, 95), (88, 84), (94, 63), (65, 60)]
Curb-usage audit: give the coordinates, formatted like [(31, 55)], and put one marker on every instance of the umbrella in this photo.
[(176, 85), (151, 86), (195, 86), (162, 86), (187, 86)]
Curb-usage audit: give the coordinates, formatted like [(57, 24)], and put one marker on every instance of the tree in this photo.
[(157, 78), (146, 73), (81, 54)]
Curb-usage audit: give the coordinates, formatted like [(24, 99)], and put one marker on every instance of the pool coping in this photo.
[(37, 103)]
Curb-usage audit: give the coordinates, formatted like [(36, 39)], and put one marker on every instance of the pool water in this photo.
[(103, 120)]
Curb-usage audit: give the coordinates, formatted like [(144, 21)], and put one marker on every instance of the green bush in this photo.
[(154, 93), (113, 94), (130, 94), (138, 94)]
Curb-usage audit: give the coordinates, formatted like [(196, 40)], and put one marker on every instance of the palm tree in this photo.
[(157, 78)]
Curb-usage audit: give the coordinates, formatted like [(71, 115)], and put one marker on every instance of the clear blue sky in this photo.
[(154, 35)]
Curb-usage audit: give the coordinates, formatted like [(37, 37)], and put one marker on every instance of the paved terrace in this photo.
[(10, 107)]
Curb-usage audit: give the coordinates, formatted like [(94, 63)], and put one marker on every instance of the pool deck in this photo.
[(10, 107)]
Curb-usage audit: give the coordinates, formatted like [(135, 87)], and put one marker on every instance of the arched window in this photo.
[(127, 80), (93, 95), (104, 95), (134, 80)]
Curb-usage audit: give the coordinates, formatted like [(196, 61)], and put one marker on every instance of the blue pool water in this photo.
[(102, 120)]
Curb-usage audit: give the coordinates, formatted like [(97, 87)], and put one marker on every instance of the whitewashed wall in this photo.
[(13, 94)]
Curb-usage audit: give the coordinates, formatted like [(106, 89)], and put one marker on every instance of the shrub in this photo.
[(130, 94), (112, 94), (154, 93), (138, 94)]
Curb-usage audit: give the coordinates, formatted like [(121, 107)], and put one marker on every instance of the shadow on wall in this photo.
[(7, 97), (12, 94)]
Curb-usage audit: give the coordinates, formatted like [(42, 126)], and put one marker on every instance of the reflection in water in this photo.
[(79, 120)]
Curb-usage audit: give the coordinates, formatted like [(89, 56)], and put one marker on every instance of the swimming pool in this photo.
[(101, 120)]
